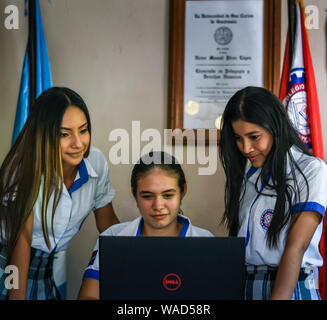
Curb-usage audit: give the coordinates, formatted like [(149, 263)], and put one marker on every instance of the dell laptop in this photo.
[(171, 268)]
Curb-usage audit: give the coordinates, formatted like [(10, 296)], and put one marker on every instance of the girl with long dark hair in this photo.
[(275, 196), (50, 181)]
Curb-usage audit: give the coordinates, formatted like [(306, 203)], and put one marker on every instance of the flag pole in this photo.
[(291, 26), (32, 51)]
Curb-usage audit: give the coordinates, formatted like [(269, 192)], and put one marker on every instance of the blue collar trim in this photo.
[(83, 178), (180, 219), (251, 171), (185, 223), (139, 230)]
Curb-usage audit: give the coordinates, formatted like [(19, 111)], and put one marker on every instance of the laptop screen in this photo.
[(171, 268)]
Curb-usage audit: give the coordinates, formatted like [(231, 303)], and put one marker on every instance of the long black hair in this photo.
[(261, 107)]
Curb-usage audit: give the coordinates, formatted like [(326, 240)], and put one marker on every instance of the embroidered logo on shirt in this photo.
[(265, 219)]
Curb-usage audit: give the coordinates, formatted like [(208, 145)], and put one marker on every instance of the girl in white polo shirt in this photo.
[(49, 182), (275, 196), (158, 185)]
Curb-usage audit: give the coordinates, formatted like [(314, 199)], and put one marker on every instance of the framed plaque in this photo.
[(216, 48)]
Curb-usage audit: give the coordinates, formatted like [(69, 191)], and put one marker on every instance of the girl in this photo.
[(275, 196), (50, 181), (158, 186)]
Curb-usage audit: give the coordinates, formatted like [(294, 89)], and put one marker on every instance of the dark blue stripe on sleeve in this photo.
[(91, 273), (308, 206)]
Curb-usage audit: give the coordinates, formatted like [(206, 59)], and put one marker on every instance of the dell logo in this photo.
[(172, 282)]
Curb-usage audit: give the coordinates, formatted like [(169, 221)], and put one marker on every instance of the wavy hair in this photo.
[(261, 107), (35, 157)]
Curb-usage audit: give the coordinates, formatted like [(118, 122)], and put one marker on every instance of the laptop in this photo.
[(171, 268)]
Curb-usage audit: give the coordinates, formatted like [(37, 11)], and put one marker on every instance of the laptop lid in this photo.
[(171, 268)]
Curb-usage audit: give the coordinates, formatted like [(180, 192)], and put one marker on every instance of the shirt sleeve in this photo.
[(314, 199), (92, 270), (104, 189)]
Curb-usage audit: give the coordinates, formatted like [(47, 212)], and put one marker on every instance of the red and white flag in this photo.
[(299, 94)]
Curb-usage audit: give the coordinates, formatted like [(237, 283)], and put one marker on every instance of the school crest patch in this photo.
[(265, 219)]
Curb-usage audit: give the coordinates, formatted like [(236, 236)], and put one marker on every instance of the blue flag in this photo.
[(23, 99), (43, 71), (43, 75), (43, 81)]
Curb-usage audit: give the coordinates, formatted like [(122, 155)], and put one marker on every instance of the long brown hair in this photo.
[(35, 160)]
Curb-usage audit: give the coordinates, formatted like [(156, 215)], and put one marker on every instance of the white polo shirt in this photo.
[(256, 211), (91, 190), (133, 228)]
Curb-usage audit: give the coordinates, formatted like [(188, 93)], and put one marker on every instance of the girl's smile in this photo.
[(75, 137), (253, 141)]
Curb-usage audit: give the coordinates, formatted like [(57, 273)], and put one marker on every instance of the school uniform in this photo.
[(91, 190), (255, 214), (134, 228)]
